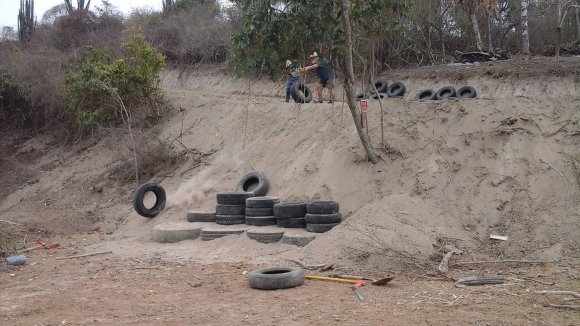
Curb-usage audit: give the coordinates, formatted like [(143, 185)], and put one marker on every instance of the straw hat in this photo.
[(313, 55)]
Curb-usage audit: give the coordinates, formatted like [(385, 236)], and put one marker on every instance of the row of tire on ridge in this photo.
[(383, 90)]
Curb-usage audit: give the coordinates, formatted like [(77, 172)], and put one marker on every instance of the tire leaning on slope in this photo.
[(427, 94), (396, 89), (301, 93), (139, 196), (466, 92), (276, 278), (381, 86), (445, 92), (251, 179)]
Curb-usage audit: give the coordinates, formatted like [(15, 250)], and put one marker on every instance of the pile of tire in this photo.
[(231, 207), (381, 90), (322, 216), (260, 210), (446, 92), (290, 215)]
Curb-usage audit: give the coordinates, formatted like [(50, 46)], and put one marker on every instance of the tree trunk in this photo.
[(475, 24), (489, 44), (524, 27), (577, 24), (349, 84), (558, 30)]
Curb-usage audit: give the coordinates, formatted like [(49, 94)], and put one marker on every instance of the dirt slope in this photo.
[(451, 172)]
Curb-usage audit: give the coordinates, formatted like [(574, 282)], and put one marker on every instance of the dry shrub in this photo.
[(8, 242), (197, 35)]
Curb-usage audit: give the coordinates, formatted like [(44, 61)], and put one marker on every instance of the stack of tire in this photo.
[(290, 215), (383, 90), (446, 92), (260, 210), (231, 207), (322, 216)]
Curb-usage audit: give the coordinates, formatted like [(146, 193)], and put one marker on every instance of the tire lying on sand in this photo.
[(276, 278), (291, 223), (139, 196), (379, 96), (234, 198), (322, 207), (381, 86), (262, 202), (260, 220), (323, 218), (214, 233), (264, 236), (200, 217), (171, 232), (301, 93), (396, 89), (230, 219), (445, 92), (290, 210), (300, 238), (320, 228), (466, 92), (427, 94), (255, 182)]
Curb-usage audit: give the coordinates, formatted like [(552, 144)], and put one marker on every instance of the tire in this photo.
[(291, 223), (260, 220), (396, 89), (235, 198), (139, 195), (262, 202), (222, 231), (427, 94), (362, 96), (230, 209), (200, 217), (322, 207), (290, 210), (445, 92), (381, 86), (466, 92), (301, 93), (265, 237), (259, 211), (230, 219), (255, 182), (276, 278), (323, 218), (379, 96), (299, 240), (320, 228)]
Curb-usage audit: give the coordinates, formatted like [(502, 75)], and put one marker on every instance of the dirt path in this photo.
[(111, 290)]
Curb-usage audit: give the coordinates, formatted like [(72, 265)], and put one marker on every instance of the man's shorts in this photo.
[(330, 82)]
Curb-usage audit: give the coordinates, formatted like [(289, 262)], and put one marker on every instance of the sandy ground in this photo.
[(451, 172)]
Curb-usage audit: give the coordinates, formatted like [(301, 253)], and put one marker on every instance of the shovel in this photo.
[(381, 281)]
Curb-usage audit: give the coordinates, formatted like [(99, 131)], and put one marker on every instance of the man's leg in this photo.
[(318, 88)]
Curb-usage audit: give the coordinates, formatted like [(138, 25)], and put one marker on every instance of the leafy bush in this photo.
[(97, 78)]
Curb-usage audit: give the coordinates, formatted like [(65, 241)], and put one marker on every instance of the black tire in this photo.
[(379, 96), (291, 223), (222, 232), (255, 182), (265, 237), (320, 228), (139, 196), (381, 86), (259, 211), (230, 209), (290, 210), (230, 219), (322, 207), (260, 220), (362, 96), (427, 94), (262, 202), (301, 93), (396, 89), (323, 218), (276, 278), (200, 217), (466, 92), (236, 198), (445, 92)]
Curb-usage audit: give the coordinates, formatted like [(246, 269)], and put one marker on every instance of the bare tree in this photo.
[(470, 8), (26, 21), (167, 5), (524, 27)]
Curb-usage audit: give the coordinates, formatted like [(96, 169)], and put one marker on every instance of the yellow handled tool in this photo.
[(335, 279)]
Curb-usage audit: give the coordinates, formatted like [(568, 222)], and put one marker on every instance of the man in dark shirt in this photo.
[(325, 74)]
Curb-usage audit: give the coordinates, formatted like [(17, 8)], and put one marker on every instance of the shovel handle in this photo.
[(334, 279)]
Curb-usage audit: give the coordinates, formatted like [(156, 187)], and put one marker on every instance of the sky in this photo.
[(9, 8)]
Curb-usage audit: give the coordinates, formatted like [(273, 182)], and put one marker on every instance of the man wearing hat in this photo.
[(325, 74), (293, 77)]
